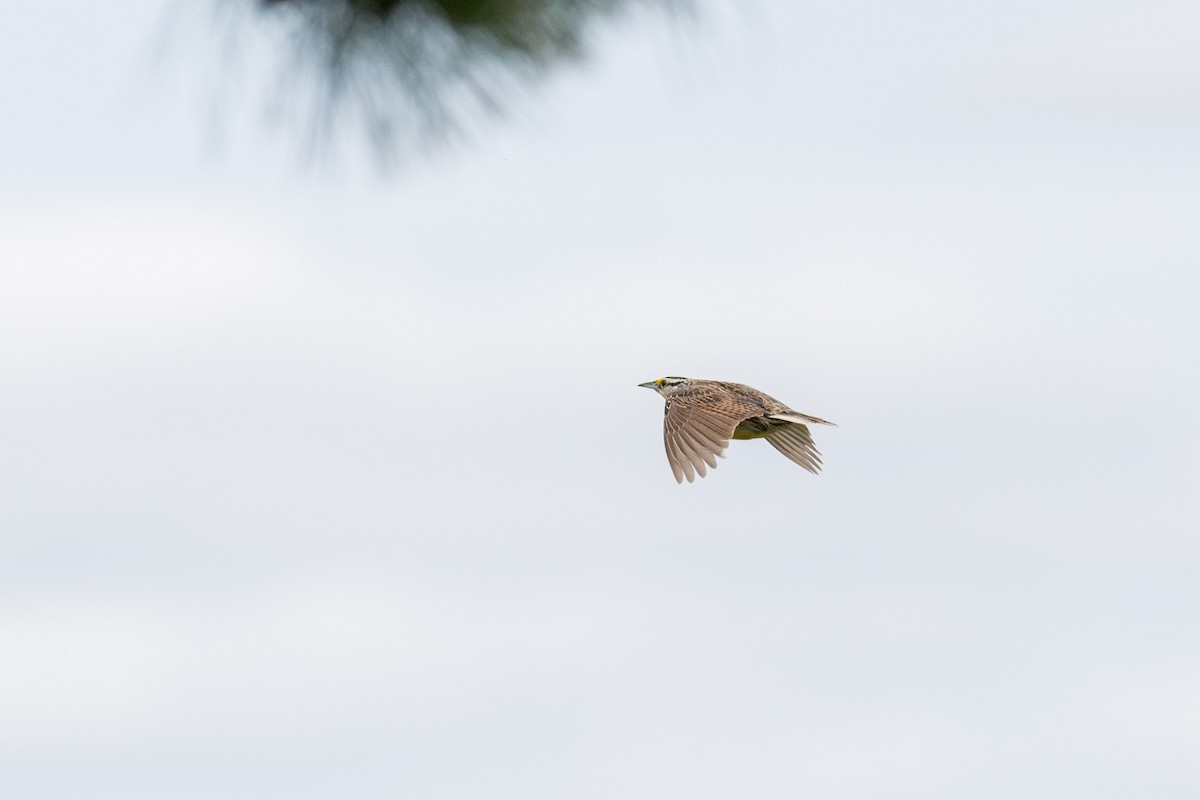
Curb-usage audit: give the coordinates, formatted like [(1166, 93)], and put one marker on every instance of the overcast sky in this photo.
[(316, 484)]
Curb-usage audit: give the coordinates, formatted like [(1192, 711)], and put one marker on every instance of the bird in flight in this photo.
[(702, 416)]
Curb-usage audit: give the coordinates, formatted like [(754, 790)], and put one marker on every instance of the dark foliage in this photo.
[(415, 71)]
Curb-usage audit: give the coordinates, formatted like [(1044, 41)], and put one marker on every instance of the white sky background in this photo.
[(333, 487)]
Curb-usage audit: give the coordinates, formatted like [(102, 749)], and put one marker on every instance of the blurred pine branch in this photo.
[(414, 72)]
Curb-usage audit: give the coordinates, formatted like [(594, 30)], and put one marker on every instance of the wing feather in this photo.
[(701, 449), (681, 465), (695, 435), (795, 442)]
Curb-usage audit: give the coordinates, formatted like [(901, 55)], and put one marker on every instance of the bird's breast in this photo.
[(753, 428)]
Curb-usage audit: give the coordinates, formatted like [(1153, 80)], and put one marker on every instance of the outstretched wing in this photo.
[(794, 440), (696, 430)]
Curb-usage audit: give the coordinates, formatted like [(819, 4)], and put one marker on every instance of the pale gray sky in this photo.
[(317, 485)]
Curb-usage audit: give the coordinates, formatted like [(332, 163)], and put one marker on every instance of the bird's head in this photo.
[(662, 385)]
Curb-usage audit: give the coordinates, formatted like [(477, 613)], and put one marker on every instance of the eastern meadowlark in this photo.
[(702, 416)]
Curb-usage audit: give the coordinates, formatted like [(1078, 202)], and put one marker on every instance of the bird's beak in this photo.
[(649, 385)]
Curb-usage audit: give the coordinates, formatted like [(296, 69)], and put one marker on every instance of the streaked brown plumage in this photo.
[(702, 416)]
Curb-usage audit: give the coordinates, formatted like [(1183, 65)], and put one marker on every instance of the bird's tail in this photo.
[(796, 416)]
